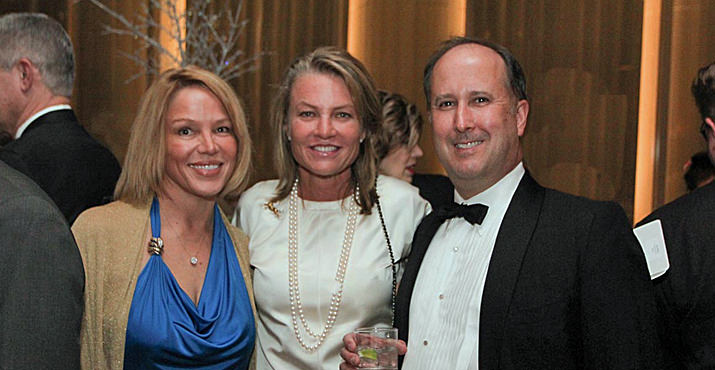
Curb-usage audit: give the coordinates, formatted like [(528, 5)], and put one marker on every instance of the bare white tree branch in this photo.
[(206, 38)]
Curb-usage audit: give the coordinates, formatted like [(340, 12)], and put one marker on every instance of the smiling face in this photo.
[(200, 145), (476, 119), (400, 162), (323, 127)]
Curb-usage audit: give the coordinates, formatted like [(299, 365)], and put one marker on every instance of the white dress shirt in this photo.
[(447, 296), (367, 287), (28, 121)]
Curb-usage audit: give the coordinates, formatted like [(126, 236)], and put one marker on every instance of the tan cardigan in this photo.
[(111, 239)]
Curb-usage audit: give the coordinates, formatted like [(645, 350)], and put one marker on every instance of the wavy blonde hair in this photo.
[(336, 62), (144, 164)]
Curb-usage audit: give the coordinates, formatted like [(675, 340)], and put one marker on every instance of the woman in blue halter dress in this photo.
[(167, 279)]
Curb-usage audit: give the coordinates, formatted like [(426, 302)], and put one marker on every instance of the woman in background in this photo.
[(397, 144), (398, 149), (167, 277), (327, 238)]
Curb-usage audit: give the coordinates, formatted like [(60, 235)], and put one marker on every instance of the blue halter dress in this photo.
[(166, 330)]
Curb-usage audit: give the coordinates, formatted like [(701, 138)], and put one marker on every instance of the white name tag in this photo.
[(652, 241)]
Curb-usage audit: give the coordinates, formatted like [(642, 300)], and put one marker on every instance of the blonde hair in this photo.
[(401, 124), (143, 169), (339, 63)]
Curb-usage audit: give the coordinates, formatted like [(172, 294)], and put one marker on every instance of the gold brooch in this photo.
[(269, 206), (156, 246)]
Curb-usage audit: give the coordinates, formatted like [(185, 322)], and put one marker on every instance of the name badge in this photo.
[(650, 236)]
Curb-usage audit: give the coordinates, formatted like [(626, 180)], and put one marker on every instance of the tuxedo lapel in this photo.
[(511, 244), (422, 239)]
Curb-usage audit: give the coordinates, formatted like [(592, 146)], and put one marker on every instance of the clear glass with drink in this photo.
[(376, 347)]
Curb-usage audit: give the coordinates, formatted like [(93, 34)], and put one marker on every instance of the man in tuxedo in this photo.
[(49, 145), (686, 292), (526, 277), (41, 279)]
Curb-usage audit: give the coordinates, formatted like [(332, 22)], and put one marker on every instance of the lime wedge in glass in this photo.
[(368, 353)]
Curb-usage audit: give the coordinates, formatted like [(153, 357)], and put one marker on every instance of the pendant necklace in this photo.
[(156, 243), (193, 257)]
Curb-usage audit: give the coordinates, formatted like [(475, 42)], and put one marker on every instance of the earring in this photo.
[(289, 138), (361, 140)]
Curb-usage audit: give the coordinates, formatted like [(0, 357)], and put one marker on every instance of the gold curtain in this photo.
[(394, 39), (581, 59), (285, 30), (104, 102)]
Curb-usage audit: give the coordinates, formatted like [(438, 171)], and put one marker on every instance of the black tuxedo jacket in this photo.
[(69, 165), (436, 189), (685, 294), (41, 279), (567, 287)]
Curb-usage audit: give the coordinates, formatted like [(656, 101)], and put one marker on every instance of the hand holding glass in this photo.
[(376, 347)]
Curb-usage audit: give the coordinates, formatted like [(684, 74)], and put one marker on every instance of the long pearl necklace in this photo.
[(296, 307)]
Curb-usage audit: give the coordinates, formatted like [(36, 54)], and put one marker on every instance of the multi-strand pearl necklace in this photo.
[(296, 307)]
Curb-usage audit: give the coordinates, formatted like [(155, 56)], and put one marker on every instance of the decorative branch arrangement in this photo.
[(202, 44)]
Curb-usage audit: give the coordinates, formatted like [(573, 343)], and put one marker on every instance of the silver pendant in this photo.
[(194, 261)]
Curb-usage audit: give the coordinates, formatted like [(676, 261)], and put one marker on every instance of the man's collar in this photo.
[(497, 197), (495, 193), (28, 121)]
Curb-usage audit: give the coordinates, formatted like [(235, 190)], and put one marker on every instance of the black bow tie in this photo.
[(473, 213)]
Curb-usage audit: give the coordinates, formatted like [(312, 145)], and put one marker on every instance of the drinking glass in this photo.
[(376, 347)]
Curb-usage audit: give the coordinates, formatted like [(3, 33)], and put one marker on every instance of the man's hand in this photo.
[(351, 360)]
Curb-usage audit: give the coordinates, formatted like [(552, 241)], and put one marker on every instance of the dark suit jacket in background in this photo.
[(567, 287), (69, 165), (41, 280), (436, 189), (686, 292)]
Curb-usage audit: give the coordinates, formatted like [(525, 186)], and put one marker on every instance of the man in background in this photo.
[(699, 171), (49, 145), (41, 279), (686, 292)]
